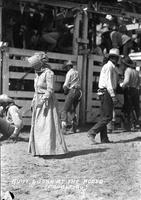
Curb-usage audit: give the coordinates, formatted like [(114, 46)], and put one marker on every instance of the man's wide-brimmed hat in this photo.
[(69, 62), (128, 62), (114, 52), (4, 98)]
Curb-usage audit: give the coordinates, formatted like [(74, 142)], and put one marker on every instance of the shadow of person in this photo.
[(6, 140), (137, 139), (22, 139), (75, 153)]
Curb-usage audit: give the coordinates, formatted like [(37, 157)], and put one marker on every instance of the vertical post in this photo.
[(5, 72), (0, 49), (84, 71), (76, 33)]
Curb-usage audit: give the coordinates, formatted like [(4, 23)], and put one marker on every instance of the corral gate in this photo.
[(15, 65)]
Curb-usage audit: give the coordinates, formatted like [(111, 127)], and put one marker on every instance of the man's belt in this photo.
[(101, 91)]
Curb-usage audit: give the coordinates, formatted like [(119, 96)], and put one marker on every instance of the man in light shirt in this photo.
[(72, 89), (130, 86), (107, 86), (11, 121)]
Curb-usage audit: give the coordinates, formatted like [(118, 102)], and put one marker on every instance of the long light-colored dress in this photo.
[(46, 137)]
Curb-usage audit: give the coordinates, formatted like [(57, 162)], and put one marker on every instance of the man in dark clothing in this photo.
[(130, 87)]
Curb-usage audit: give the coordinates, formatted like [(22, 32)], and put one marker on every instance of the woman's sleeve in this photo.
[(50, 84)]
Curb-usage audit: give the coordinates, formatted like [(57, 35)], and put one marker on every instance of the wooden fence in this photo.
[(93, 103), (15, 65)]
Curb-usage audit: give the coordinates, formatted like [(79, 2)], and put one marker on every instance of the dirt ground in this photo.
[(88, 172)]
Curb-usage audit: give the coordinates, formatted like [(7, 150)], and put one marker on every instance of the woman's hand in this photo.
[(42, 101)]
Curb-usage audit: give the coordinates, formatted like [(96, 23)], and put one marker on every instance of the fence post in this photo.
[(0, 49), (5, 72), (84, 70), (76, 33)]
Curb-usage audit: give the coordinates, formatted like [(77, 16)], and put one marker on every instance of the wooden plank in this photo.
[(1, 69), (28, 53), (79, 68), (96, 68), (24, 94), (0, 20), (25, 64), (5, 75), (20, 94), (58, 3), (19, 75), (89, 89), (18, 63), (96, 58), (21, 52), (76, 33)]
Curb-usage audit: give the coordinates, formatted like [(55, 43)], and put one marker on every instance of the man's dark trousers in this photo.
[(105, 117), (71, 102)]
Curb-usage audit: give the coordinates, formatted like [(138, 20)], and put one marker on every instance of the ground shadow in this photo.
[(76, 153), (21, 139), (137, 139), (5, 140)]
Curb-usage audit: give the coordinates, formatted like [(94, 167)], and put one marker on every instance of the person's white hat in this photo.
[(109, 17), (4, 98), (114, 52)]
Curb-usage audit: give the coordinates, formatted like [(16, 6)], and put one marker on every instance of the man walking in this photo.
[(107, 85), (72, 90)]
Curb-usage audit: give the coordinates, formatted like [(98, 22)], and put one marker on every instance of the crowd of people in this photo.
[(47, 28), (112, 32), (37, 27)]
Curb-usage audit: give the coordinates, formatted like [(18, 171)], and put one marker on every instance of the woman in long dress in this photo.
[(46, 137)]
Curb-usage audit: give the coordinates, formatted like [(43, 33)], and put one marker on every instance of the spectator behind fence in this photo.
[(127, 43), (49, 38), (46, 137), (11, 121), (106, 43)]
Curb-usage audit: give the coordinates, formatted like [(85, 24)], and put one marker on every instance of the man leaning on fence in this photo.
[(73, 91), (107, 85)]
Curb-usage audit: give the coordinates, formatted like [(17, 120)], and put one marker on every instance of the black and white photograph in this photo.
[(70, 99)]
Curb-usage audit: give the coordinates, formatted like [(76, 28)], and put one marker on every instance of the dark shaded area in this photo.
[(76, 153)]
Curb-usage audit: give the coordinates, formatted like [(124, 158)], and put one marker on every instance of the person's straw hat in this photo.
[(114, 52), (4, 98), (37, 59), (128, 62)]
